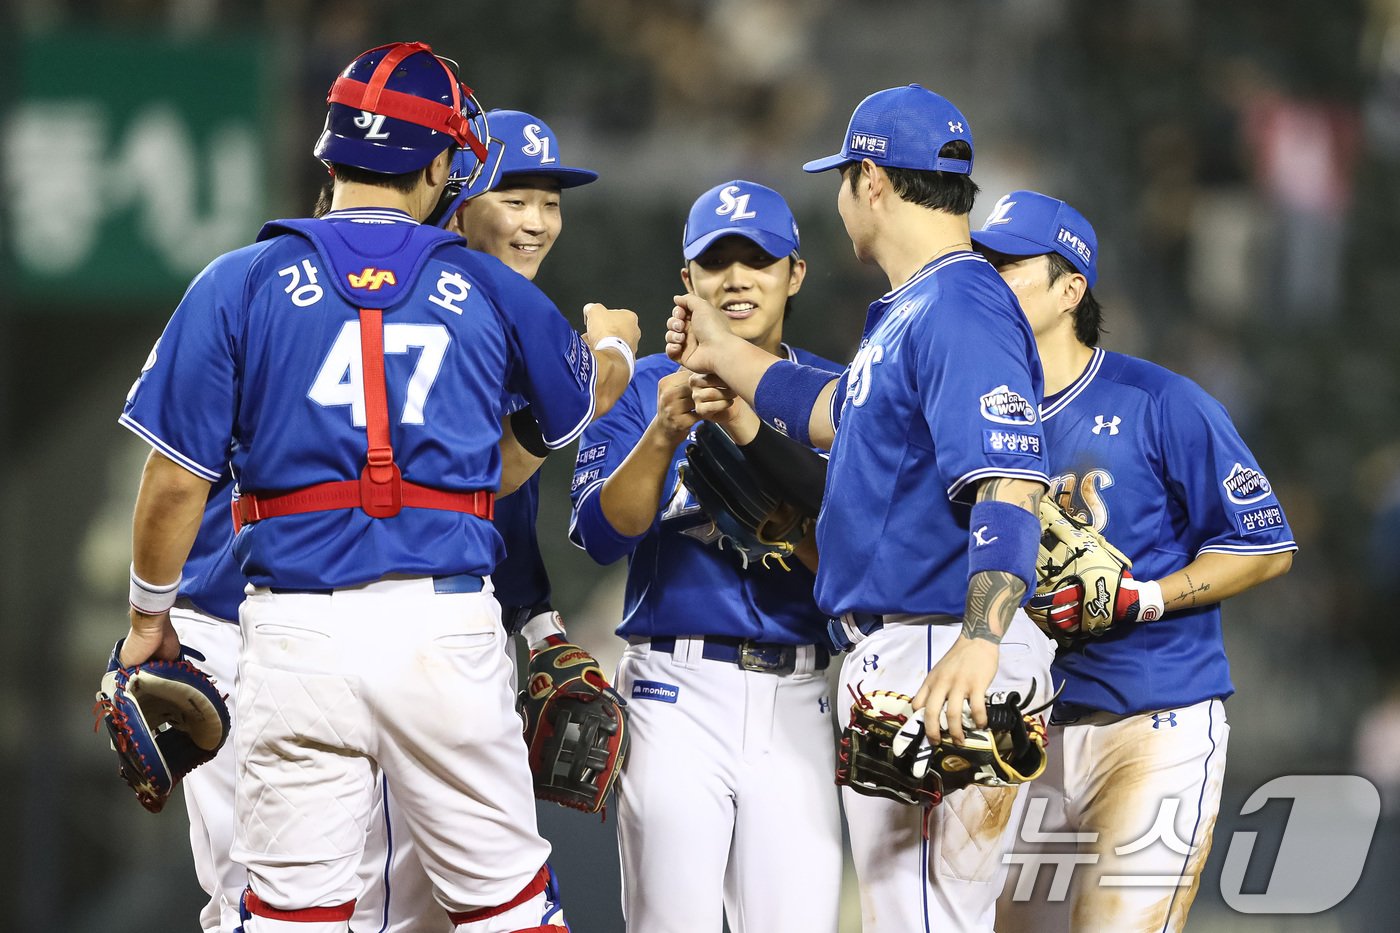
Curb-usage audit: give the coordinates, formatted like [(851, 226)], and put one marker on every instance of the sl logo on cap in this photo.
[(538, 145), (731, 202)]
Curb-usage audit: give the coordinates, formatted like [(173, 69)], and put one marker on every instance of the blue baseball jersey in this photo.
[(942, 394), (521, 581), (259, 373), (211, 578), (679, 581), (1152, 461)]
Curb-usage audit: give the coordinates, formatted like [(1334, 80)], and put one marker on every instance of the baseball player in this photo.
[(726, 805), (1154, 463), (510, 210), (348, 373), (928, 533)]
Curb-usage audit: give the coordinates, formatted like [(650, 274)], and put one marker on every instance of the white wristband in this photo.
[(1150, 605), (150, 598), (540, 627), (620, 345)]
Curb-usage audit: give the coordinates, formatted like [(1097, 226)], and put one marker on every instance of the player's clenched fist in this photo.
[(602, 321), (715, 401), (695, 332), (675, 408)]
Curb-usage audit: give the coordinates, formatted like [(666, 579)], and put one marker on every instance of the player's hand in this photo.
[(695, 333), (151, 636), (715, 401), (1064, 607), (601, 321), (957, 687), (675, 408)]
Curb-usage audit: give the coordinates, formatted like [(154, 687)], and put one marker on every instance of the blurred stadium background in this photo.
[(1240, 161)]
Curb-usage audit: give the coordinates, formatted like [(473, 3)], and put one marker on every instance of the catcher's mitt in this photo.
[(575, 727), (750, 516), (886, 753), (165, 719), (1084, 584)]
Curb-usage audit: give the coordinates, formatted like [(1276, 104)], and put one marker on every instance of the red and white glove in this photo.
[(1063, 608)]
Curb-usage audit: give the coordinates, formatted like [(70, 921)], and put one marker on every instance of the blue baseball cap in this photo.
[(1026, 223), (520, 144), (902, 127), (740, 208)]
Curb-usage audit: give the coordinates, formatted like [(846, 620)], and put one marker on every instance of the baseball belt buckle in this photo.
[(771, 659)]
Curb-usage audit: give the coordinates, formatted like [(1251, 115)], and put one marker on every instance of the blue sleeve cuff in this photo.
[(591, 530), (1004, 537), (786, 395)]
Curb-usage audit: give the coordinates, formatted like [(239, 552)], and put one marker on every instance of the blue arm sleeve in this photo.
[(603, 447), (786, 395)]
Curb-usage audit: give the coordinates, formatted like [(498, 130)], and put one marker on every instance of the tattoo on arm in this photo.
[(992, 488), (992, 598), (1192, 592)]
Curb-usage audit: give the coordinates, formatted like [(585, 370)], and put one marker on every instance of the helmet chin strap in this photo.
[(438, 216)]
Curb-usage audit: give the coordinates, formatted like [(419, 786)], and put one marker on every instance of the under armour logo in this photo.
[(1100, 424), (824, 705), (980, 541), (1161, 719), (870, 662), (955, 127)]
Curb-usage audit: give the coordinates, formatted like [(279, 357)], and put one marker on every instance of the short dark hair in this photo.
[(950, 192), (322, 207), (1088, 315), (403, 183)]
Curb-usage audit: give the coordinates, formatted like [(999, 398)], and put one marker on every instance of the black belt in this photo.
[(452, 583), (769, 657)]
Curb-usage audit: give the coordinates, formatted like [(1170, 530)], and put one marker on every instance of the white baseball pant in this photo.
[(726, 803), (1118, 828), (209, 789), (389, 676), (946, 878)]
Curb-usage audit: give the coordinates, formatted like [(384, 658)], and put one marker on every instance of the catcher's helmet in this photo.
[(395, 107)]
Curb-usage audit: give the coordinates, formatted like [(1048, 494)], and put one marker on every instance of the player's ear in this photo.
[(437, 171), (874, 177), (457, 223), (796, 273), (1072, 289), (685, 277)]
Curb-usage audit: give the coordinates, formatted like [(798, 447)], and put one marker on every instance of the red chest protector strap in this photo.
[(381, 491)]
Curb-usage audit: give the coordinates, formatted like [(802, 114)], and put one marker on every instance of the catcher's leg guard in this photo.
[(260, 918), (535, 909)]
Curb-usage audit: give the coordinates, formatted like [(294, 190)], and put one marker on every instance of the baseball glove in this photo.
[(886, 753), (1084, 584), (750, 516), (165, 718), (575, 727)]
